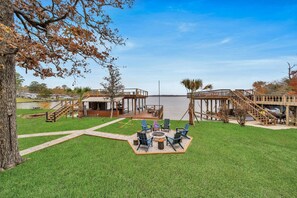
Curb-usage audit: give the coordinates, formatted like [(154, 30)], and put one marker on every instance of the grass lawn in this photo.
[(21, 112), (25, 143), (223, 160), (38, 125), (129, 127)]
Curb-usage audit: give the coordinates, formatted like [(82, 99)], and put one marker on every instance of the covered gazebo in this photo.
[(101, 106)]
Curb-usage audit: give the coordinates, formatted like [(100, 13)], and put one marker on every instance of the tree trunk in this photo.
[(9, 153), (111, 108), (191, 113)]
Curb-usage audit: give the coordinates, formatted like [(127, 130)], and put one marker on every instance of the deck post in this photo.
[(123, 106), (201, 109), (287, 114), (295, 116), (128, 104), (211, 109), (135, 104), (216, 108), (206, 101)]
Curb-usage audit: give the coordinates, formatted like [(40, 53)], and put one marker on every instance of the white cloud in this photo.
[(225, 40), (186, 27)]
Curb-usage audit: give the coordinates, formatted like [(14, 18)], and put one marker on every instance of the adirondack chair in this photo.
[(145, 127), (166, 125), (183, 131), (175, 140), (144, 141)]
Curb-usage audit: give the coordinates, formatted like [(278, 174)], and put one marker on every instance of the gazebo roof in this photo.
[(101, 99)]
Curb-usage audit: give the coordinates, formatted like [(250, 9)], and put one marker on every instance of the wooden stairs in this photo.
[(54, 114), (241, 100)]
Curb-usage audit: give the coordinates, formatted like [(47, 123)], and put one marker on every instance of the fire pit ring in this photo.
[(158, 135)]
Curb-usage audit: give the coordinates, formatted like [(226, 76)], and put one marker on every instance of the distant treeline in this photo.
[(168, 95)]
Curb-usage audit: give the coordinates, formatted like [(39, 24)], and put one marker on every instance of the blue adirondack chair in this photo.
[(175, 140), (145, 127), (166, 125), (144, 141), (183, 131)]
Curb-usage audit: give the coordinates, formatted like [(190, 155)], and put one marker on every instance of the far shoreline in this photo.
[(167, 96)]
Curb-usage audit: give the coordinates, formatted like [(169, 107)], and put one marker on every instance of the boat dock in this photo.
[(212, 102)]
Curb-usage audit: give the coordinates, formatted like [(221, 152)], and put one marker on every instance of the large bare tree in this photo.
[(53, 38), (113, 85)]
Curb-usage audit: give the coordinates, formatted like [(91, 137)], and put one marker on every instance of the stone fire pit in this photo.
[(158, 135)]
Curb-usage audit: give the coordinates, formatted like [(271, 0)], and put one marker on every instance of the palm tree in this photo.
[(192, 86)]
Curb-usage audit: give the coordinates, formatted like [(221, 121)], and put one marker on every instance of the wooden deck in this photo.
[(140, 115), (254, 102)]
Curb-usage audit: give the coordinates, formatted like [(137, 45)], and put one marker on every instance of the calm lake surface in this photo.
[(174, 107)]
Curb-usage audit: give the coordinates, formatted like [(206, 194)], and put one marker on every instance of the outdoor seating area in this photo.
[(160, 140)]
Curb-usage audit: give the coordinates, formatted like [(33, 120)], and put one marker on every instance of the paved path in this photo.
[(47, 134), (108, 135), (272, 127), (51, 143), (71, 135)]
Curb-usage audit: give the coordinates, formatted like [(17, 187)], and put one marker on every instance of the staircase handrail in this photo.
[(254, 104), (250, 106), (53, 109)]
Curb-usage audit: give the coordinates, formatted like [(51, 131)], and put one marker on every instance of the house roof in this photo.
[(101, 99)]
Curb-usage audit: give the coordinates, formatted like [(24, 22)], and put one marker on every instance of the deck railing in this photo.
[(155, 110), (60, 105), (218, 92), (125, 92), (251, 94), (276, 99)]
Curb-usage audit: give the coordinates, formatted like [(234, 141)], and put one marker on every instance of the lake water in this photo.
[(174, 107), (31, 105)]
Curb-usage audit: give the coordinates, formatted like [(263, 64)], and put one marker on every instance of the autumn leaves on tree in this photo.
[(52, 39)]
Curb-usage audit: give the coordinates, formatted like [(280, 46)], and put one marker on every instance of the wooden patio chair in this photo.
[(166, 125), (144, 141), (175, 140), (145, 127), (184, 131)]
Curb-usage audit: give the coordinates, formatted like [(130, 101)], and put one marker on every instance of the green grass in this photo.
[(223, 160), (38, 125), (129, 127), (21, 112), (25, 143)]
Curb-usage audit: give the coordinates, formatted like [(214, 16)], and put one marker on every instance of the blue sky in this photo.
[(229, 44)]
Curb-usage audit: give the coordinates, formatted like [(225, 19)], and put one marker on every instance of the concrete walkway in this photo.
[(272, 127), (108, 135), (71, 135), (47, 134)]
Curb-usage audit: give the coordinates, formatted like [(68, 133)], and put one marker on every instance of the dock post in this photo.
[(135, 104), (211, 109), (287, 114), (201, 109), (216, 109), (206, 101)]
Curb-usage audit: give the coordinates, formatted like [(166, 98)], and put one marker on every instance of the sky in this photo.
[(229, 44)]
